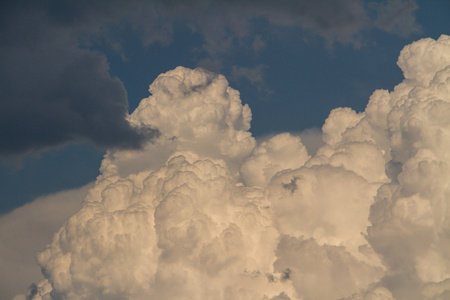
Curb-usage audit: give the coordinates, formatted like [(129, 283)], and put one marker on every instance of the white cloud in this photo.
[(25, 231), (205, 213), (321, 271), (281, 152), (421, 60), (374, 293), (409, 217)]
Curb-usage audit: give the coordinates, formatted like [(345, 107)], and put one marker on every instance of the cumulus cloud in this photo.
[(206, 212), (409, 216), (57, 90)]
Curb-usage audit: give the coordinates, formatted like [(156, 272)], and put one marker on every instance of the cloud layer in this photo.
[(26, 231), (207, 213), (55, 84)]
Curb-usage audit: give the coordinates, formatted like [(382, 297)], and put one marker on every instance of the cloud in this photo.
[(373, 293), (205, 212), (186, 223), (335, 21), (310, 266), (53, 91), (253, 75), (410, 212), (396, 17), (421, 60), (25, 231), (56, 89), (280, 152)]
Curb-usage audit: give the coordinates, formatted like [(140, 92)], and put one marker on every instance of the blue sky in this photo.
[(292, 64)]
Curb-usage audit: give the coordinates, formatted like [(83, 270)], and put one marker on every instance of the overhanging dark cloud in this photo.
[(54, 92), (73, 99)]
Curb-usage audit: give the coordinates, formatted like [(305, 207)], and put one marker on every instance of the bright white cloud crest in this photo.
[(205, 213)]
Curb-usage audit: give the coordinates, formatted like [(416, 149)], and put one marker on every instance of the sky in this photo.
[(224, 149)]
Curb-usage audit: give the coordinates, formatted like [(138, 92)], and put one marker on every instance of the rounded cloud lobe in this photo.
[(205, 212)]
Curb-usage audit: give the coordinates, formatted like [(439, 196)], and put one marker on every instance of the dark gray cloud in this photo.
[(33, 290), (57, 90), (291, 186), (62, 98), (397, 16), (228, 22), (53, 91)]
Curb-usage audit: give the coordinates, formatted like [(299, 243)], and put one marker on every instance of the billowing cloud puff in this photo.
[(279, 153), (186, 231), (206, 213), (410, 212), (421, 60), (321, 271), (200, 111), (195, 111)]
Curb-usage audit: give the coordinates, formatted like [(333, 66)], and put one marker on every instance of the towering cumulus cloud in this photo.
[(205, 212)]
